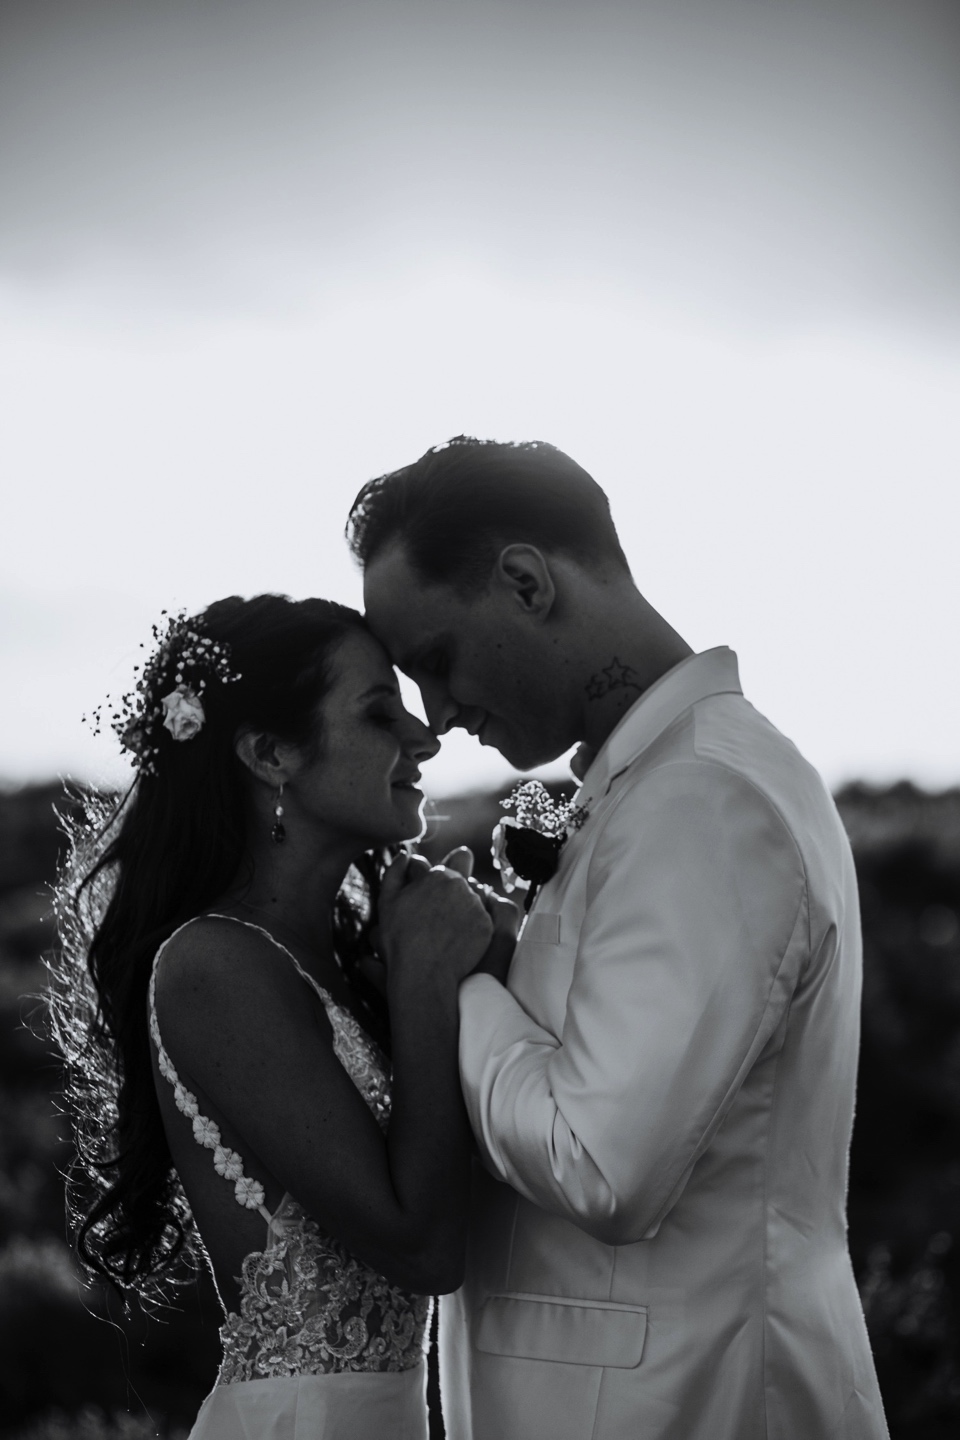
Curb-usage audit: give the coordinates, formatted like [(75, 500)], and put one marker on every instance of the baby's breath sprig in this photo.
[(535, 810), (526, 850), (184, 658)]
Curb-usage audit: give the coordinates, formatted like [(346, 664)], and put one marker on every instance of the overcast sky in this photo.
[(252, 255)]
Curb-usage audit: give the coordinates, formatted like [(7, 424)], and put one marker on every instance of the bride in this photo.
[(227, 1041)]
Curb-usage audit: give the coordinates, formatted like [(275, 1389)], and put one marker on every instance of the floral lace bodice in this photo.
[(307, 1306)]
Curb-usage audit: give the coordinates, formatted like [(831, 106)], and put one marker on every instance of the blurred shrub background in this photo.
[(74, 1367)]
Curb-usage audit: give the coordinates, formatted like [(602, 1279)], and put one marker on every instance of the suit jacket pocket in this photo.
[(541, 928), (574, 1332)]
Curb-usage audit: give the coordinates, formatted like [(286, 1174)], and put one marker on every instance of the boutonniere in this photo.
[(527, 845)]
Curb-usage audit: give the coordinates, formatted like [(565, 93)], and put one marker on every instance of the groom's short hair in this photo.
[(456, 507)]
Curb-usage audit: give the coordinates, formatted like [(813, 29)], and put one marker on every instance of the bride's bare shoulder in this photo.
[(217, 960)]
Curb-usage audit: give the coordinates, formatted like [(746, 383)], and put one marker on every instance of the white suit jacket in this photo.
[(664, 1092)]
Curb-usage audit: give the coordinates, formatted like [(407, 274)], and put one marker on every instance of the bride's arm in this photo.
[(236, 1023), (430, 1133), (429, 1142)]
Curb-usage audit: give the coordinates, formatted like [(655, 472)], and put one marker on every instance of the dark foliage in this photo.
[(69, 1358), (904, 1204), (65, 1374)]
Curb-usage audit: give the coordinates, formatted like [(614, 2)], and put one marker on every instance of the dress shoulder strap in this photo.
[(248, 1192), (324, 995), (360, 1056)]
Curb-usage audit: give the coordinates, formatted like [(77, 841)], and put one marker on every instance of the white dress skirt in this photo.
[(345, 1405), (322, 1346)]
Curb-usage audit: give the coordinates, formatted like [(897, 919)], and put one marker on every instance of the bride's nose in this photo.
[(421, 743)]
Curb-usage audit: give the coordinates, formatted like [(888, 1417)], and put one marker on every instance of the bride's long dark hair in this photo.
[(137, 869)]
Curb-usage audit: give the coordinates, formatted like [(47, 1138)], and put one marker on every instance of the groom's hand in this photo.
[(503, 913), (461, 860), (431, 921), (506, 921)]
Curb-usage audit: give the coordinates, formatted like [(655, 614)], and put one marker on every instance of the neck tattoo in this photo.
[(612, 677)]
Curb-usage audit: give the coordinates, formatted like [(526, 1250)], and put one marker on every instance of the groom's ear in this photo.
[(525, 573)]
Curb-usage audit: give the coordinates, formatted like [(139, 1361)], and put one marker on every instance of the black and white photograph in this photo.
[(480, 740)]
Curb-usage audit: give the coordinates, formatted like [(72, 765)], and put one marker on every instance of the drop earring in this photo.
[(278, 833)]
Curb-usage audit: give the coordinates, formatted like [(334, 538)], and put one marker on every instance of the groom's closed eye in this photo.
[(435, 663)]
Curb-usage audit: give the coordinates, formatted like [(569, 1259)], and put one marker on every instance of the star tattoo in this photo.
[(612, 677)]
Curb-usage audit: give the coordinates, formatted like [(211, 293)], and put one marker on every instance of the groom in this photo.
[(662, 1087)]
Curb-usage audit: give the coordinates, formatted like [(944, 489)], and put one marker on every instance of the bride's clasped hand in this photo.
[(413, 914)]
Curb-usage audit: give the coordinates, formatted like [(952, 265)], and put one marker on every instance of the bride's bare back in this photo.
[(337, 1312)]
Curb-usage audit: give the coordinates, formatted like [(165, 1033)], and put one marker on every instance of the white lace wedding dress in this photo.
[(322, 1348)]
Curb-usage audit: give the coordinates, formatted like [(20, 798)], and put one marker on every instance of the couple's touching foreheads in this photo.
[(609, 1128)]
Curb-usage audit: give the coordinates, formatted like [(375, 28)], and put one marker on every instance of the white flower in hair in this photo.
[(185, 657), (182, 713)]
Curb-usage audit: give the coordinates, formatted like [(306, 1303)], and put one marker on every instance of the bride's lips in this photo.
[(409, 782)]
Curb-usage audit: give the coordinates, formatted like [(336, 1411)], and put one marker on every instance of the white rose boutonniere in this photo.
[(183, 713), (526, 850)]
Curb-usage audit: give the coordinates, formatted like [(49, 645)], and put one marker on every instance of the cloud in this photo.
[(780, 163)]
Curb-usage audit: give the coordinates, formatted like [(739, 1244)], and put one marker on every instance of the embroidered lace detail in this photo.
[(307, 1306)]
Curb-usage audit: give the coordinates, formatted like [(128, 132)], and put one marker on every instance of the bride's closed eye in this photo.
[(386, 715)]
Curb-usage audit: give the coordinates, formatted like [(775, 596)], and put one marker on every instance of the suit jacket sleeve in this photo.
[(693, 936)]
